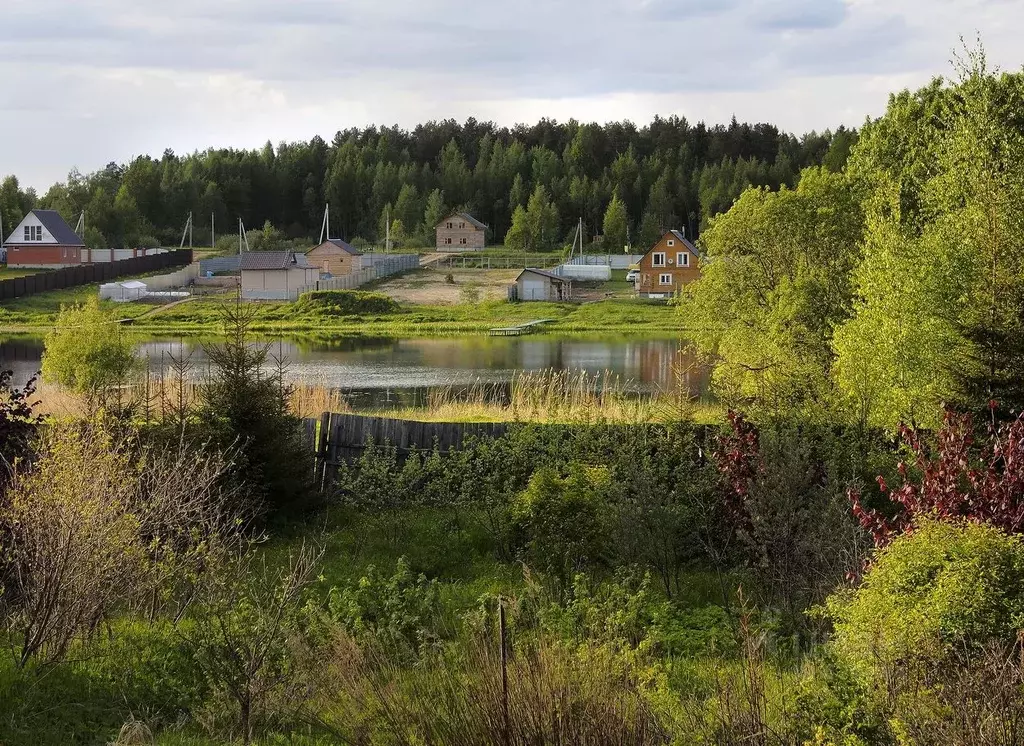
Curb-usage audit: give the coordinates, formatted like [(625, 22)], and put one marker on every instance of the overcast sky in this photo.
[(84, 82)]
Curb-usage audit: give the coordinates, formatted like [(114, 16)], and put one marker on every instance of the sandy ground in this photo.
[(429, 286)]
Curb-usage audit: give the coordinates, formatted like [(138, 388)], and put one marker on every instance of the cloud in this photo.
[(88, 81)]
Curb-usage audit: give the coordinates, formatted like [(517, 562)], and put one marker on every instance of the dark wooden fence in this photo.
[(336, 438), (87, 274)]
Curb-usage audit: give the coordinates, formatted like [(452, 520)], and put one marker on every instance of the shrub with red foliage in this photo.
[(738, 457), (959, 479)]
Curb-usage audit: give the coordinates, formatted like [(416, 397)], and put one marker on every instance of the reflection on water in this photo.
[(378, 373)]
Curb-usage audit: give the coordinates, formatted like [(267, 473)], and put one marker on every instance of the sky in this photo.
[(86, 82)]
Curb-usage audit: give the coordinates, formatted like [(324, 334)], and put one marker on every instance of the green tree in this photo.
[(88, 352), (775, 282), (616, 225), (433, 213)]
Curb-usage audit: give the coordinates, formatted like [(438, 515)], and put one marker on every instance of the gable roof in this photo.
[(678, 236), (58, 228), (465, 216), (337, 242), (265, 260), (55, 226), (549, 275)]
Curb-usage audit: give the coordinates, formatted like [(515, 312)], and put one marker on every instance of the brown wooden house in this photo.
[(335, 257), (669, 265), (461, 232)]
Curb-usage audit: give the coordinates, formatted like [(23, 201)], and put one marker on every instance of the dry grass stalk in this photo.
[(556, 695)]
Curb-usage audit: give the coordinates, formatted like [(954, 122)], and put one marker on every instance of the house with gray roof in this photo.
[(461, 232), (275, 275), (44, 240)]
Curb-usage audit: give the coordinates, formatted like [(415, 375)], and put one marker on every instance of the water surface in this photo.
[(378, 373)]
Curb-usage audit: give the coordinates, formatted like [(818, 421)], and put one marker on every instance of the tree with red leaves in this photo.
[(959, 479)]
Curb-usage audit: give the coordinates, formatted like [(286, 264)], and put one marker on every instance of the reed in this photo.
[(562, 396)]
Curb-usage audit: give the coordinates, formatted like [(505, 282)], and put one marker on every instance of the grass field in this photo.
[(429, 304)]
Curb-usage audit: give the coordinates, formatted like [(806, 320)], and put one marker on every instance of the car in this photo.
[(633, 275)]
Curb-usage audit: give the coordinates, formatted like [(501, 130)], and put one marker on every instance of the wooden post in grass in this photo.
[(502, 634)]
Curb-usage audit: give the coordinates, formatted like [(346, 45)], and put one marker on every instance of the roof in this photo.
[(339, 244), (685, 242), (265, 260), (58, 228), (542, 273), (678, 236), (133, 285), (467, 217)]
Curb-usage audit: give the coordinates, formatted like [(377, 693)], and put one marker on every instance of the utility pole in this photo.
[(387, 229), (213, 231)]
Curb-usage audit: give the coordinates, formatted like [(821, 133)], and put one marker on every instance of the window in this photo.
[(671, 242), (665, 280), (683, 259), (462, 241), (28, 232), (449, 226), (659, 259), (462, 225), (447, 241)]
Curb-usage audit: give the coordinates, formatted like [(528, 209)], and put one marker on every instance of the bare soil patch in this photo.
[(430, 287)]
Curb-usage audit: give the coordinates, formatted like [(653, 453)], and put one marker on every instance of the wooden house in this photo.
[(461, 232), (336, 258), (43, 240), (669, 265)]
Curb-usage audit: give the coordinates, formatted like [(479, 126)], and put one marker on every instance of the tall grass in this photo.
[(560, 396)]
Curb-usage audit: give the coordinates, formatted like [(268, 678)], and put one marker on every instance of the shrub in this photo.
[(933, 596), (399, 610), (345, 303), (560, 523), (87, 351)]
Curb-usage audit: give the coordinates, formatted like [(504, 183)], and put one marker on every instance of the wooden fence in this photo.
[(86, 274), (337, 438)]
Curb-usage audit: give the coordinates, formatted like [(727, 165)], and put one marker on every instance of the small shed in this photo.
[(536, 284), (335, 257), (124, 292), (275, 275)]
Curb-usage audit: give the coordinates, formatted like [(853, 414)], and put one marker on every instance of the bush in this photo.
[(87, 352), (936, 595), (560, 523), (398, 610), (345, 303)]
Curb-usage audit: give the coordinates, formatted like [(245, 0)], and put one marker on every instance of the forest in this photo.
[(667, 174), (837, 561)]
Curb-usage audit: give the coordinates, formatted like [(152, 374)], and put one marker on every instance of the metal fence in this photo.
[(615, 261), (87, 274), (393, 264)]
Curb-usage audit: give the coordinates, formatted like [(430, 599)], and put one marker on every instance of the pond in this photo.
[(376, 373)]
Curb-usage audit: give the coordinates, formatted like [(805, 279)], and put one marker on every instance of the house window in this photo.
[(462, 241), (665, 280), (449, 226), (683, 259), (447, 241), (659, 259), (462, 225), (28, 232), (671, 242)]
